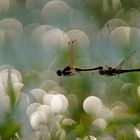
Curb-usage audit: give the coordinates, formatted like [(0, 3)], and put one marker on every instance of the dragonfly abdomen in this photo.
[(88, 69), (125, 71)]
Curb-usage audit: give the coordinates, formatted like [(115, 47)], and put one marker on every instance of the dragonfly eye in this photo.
[(59, 72)]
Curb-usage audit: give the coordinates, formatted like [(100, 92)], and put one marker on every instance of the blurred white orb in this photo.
[(28, 30), (56, 12), (13, 37), (23, 101), (32, 108), (107, 137), (47, 99), (59, 103), (92, 105), (123, 36), (100, 123), (11, 24), (111, 6), (4, 5), (35, 3), (131, 16), (37, 119), (53, 92), (59, 117), (61, 134), (112, 25), (47, 110), (53, 126), (89, 137), (38, 93), (2, 38), (17, 87), (137, 131), (15, 77), (118, 111), (38, 33), (80, 36), (48, 85), (64, 102), (68, 121), (4, 105), (104, 113), (2, 90), (42, 133), (16, 74), (127, 88), (138, 89), (55, 38)]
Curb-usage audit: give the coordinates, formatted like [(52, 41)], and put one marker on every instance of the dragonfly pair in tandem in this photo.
[(108, 70)]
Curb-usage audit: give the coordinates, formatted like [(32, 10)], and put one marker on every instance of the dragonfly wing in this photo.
[(127, 58), (71, 52)]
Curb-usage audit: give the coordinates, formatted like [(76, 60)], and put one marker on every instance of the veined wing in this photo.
[(71, 52), (127, 58)]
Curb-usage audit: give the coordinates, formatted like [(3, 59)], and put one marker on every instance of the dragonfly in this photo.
[(110, 71), (71, 69)]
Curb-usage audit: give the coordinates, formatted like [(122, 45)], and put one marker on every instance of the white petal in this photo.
[(56, 104), (64, 102), (17, 87), (137, 131), (4, 105), (37, 119), (92, 105), (89, 137), (32, 108), (100, 123), (47, 110), (47, 99), (38, 94)]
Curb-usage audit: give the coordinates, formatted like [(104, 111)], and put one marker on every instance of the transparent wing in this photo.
[(71, 51), (127, 58), (108, 27)]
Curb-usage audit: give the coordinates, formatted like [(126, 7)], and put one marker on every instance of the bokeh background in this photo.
[(35, 103)]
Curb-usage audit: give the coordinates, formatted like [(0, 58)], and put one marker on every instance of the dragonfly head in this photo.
[(59, 72)]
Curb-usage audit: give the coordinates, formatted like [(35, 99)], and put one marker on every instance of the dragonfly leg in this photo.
[(79, 73), (92, 73)]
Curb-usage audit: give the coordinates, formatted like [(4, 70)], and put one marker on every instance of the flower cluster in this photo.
[(37, 104)]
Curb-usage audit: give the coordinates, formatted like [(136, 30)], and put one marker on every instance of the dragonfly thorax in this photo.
[(67, 71), (108, 71)]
